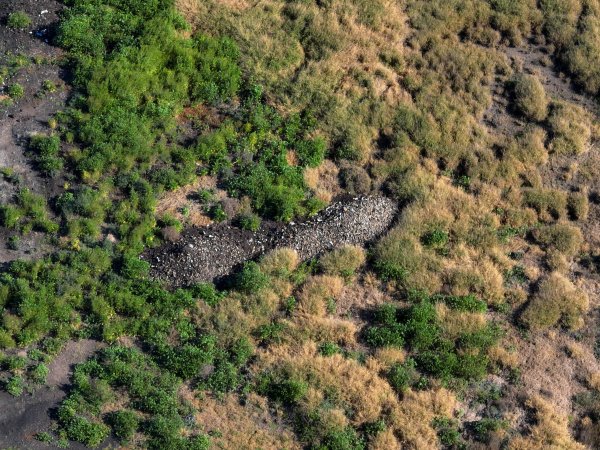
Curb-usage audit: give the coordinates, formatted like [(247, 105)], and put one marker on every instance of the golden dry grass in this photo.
[(362, 391), (250, 425), (317, 291), (550, 432), (557, 300)]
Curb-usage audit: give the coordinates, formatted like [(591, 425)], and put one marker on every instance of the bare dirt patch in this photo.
[(22, 418), (30, 114)]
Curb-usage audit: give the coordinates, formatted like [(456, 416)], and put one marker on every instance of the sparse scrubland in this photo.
[(189, 112)]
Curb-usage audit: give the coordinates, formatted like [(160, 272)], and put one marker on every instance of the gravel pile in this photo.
[(206, 254)]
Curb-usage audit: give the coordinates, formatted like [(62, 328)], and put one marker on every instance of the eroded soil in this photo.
[(30, 114)]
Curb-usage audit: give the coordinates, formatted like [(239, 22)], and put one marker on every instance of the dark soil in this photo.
[(30, 114), (206, 254), (22, 418)]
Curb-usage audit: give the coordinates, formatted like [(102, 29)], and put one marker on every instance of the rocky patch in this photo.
[(207, 254)]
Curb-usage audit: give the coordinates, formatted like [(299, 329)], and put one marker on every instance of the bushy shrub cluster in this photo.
[(30, 212), (419, 329), (151, 393), (253, 159)]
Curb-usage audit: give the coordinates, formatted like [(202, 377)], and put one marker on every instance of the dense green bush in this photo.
[(124, 424), (16, 91), (419, 329), (18, 19), (250, 279)]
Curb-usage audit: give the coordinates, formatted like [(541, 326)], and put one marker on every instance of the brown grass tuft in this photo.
[(557, 300)]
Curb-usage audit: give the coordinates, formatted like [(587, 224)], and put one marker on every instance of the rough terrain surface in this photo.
[(205, 254), (22, 418), (30, 114)]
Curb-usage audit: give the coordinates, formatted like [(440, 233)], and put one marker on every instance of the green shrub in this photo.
[(16, 91), (419, 329), (40, 373), (435, 239), (344, 439), (88, 433), (530, 97), (483, 428), (124, 424), (251, 279), (15, 386), (402, 376), (286, 391), (250, 222), (18, 19), (329, 348)]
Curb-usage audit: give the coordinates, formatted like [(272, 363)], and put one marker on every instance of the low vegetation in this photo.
[(191, 112)]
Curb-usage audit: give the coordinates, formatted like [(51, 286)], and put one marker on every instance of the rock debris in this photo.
[(209, 253)]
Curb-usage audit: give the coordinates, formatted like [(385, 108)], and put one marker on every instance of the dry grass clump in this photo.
[(579, 205), (323, 180), (594, 381), (344, 261), (571, 129), (550, 204), (529, 147), (352, 385), (361, 393), (556, 261), (416, 412), (280, 262), (303, 327), (475, 275), (454, 322), (530, 97), (389, 356), (557, 300), (385, 440), (550, 432), (318, 292), (234, 425), (563, 237), (503, 357)]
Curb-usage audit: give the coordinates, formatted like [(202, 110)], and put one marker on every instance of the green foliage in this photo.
[(250, 222), (16, 91), (124, 424), (483, 428), (448, 433), (342, 439), (418, 328), (40, 373), (402, 376), (329, 348), (46, 150), (18, 19), (251, 279), (30, 212), (15, 386), (435, 239), (285, 390)]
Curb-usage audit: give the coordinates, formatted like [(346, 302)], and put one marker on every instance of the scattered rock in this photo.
[(206, 254)]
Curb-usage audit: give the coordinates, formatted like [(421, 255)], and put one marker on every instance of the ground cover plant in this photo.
[(436, 335)]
